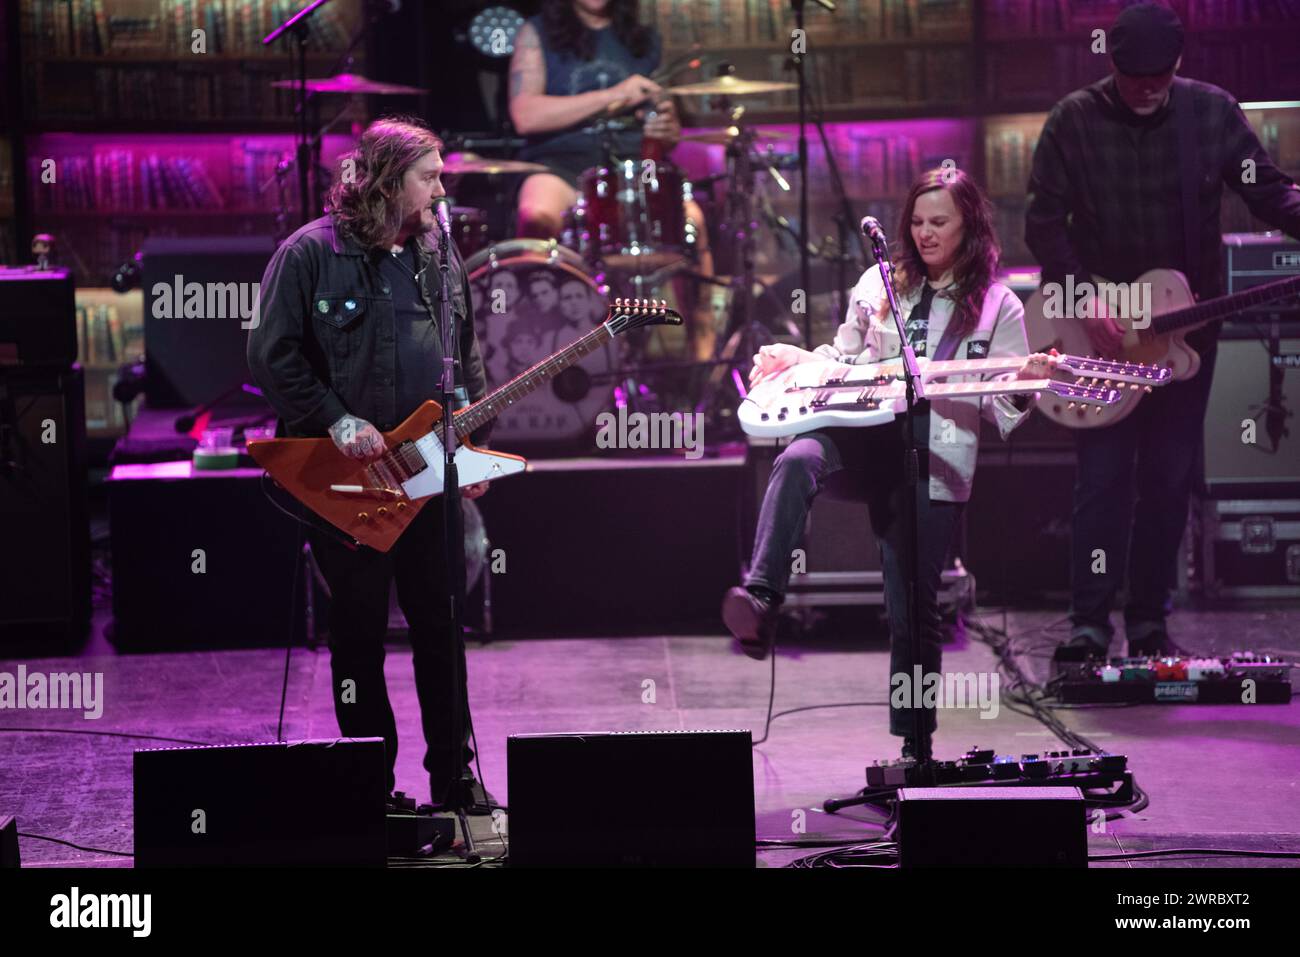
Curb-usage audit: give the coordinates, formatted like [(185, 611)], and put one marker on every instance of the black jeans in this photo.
[(1154, 455), (359, 584), (858, 464)]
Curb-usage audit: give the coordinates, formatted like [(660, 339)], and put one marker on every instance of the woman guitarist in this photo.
[(955, 309)]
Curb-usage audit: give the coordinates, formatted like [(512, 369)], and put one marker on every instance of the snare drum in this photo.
[(532, 298), (630, 217)]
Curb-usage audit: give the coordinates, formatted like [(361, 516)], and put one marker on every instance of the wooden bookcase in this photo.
[(128, 124), (970, 80)]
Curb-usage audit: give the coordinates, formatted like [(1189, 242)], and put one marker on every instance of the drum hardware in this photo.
[(349, 84)]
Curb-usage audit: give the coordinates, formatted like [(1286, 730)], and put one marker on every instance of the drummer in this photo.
[(576, 63)]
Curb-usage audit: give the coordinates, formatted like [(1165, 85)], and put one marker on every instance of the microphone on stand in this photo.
[(442, 211), (872, 229)]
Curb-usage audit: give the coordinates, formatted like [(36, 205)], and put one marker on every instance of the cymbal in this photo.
[(730, 86), (352, 83), (463, 164), (726, 136)]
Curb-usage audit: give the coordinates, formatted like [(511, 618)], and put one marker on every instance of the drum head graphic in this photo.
[(531, 299)]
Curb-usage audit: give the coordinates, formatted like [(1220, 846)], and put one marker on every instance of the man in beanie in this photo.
[(1106, 200)]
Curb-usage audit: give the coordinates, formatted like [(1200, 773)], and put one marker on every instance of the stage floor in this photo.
[(1217, 776)]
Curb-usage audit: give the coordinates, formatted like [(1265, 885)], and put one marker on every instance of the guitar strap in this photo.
[(1189, 167)]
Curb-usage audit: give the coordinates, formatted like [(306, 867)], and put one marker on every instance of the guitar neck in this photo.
[(1223, 306), (933, 370), (497, 401), (956, 389)]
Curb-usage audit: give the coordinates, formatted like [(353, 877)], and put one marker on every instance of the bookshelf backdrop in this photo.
[(151, 138)]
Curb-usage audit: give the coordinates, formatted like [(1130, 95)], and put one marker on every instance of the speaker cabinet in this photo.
[(297, 803), (631, 799), (45, 562), (992, 827), (195, 359)]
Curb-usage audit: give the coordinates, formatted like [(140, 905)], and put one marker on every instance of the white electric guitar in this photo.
[(815, 395)]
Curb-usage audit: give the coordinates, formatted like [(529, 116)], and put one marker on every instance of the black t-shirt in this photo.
[(418, 339)]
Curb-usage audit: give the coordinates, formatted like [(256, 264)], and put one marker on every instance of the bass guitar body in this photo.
[(1051, 323)]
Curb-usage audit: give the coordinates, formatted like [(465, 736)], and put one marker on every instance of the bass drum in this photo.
[(531, 299)]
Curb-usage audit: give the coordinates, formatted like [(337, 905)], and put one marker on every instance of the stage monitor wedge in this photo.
[(631, 799)]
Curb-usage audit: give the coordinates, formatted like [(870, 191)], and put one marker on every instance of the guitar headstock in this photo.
[(1085, 394), (1106, 371), (625, 315)]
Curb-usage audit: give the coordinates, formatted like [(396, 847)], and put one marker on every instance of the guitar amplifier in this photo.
[(1257, 373), (193, 359), (38, 324), (1253, 259)]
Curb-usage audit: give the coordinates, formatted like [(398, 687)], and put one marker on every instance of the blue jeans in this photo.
[(1150, 460), (862, 464)]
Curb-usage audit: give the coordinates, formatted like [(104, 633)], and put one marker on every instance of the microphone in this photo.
[(442, 210), (872, 229)]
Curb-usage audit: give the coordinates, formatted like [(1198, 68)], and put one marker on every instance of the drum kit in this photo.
[(626, 235)]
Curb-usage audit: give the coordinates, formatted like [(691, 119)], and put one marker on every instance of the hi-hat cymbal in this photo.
[(728, 135), (730, 86), (463, 164), (351, 83)]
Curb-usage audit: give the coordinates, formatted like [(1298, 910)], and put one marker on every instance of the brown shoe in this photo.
[(751, 620)]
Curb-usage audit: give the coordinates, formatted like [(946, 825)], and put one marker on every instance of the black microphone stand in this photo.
[(805, 268), (915, 392), (458, 798), (303, 151)]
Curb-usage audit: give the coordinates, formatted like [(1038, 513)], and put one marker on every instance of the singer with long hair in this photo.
[(348, 345), (956, 309)]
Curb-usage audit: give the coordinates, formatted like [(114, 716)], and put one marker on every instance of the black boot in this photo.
[(752, 620)]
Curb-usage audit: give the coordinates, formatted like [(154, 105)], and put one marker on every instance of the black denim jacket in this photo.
[(324, 344)]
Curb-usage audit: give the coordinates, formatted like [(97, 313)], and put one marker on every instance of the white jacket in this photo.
[(954, 423)]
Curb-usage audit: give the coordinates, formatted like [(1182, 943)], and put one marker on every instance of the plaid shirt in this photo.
[(1105, 194)]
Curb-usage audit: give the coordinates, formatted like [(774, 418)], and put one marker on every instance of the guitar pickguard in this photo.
[(472, 465)]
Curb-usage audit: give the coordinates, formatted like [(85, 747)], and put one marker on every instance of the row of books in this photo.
[(841, 77), (1015, 18), (102, 336), (238, 26), (101, 27), (1008, 159), (122, 180), (732, 22)]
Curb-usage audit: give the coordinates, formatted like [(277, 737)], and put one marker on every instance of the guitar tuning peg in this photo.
[(1146, 388), (1070, 407)]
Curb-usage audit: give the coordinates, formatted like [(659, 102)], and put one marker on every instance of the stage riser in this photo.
[(619, 551)]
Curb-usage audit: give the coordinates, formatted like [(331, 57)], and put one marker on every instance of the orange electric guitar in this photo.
[(374, 502)]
